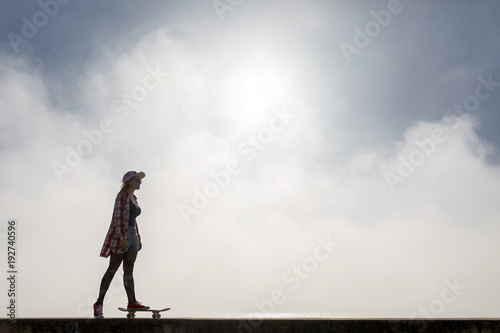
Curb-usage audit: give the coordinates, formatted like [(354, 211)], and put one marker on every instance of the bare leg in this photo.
[(128, 278), (114, 263)]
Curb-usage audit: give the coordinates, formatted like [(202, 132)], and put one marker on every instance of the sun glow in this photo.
[(251, 91)]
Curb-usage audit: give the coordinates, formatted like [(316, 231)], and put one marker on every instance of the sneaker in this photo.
[(98, 311), (137, 306)]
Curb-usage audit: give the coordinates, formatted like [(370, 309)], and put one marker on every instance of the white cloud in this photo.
[(396, 247)]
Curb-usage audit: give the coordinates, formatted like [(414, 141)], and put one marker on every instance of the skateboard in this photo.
[(131, 313)]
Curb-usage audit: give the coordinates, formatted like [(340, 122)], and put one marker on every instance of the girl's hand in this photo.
[(124, 243)]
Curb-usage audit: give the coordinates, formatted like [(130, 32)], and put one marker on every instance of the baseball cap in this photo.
[(131, 174)]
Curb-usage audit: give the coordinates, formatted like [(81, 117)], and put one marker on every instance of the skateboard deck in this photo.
[(131, 313)]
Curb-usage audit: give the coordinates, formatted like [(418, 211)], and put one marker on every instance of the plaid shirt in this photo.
[(118, 229)]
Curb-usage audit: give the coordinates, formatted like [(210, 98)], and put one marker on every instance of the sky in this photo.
[(312, 158)]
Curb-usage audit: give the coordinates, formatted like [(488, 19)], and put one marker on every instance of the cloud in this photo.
[(181, 110)]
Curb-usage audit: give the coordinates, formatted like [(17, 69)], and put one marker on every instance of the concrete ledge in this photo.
[(140, 325)]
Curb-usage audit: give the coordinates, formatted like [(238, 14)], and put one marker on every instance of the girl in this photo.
[(123, 241)]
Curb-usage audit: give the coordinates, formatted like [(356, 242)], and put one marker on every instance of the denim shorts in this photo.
[(133, 239)]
